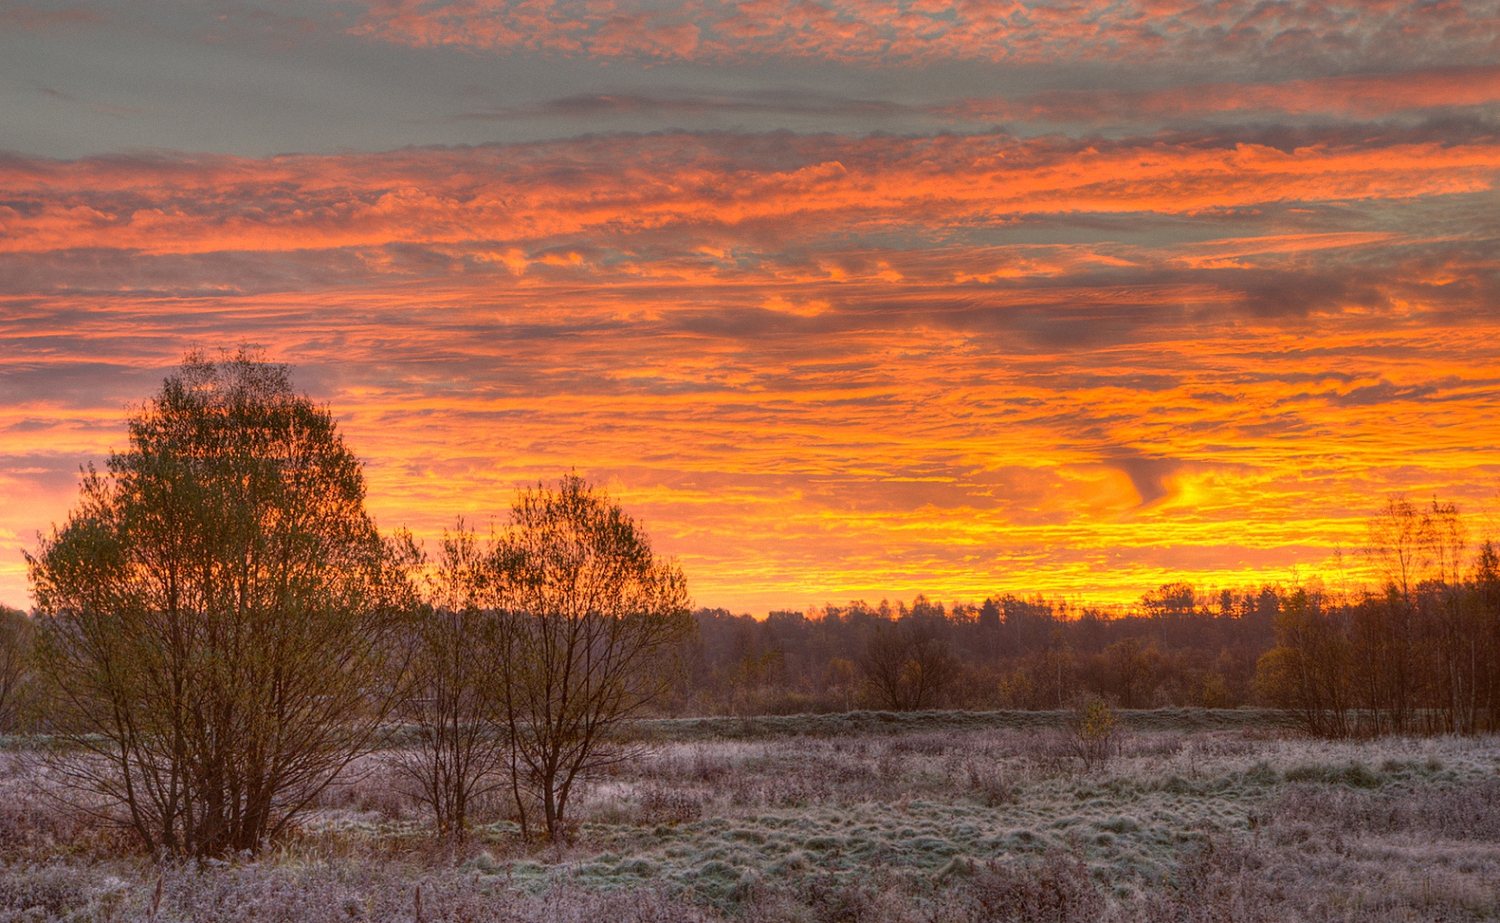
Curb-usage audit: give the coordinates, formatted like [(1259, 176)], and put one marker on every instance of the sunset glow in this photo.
[(843, 299)]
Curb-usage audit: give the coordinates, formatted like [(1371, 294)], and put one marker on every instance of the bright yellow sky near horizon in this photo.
[(1071, 300)]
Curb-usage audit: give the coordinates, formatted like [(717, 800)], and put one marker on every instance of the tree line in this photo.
[(1419, 655), (1179, 648)]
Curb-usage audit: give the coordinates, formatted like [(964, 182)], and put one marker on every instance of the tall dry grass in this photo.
[(947, 823)]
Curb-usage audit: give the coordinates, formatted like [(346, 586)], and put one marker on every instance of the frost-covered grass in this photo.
[(955, 818), (929, 804)]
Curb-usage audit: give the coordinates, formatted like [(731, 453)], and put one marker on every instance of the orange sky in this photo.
[(1136, 293)]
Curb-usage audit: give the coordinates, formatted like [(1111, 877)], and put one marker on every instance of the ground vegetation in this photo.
[(1199, 815)]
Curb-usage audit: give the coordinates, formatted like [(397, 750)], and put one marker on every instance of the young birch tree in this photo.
[(458, 753), (590, 626)]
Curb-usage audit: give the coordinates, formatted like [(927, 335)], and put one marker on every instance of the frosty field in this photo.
[(943, 816)]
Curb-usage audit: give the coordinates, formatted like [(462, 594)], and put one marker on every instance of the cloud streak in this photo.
[(1361, 96), (525, 202), (1240, 34)]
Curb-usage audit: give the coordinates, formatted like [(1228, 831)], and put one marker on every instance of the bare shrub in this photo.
[(907, 666), (1058, 889), (42, 892), (1159, 745), (1222, 744), (370, 788), (709, 768), (587, 638), (990, 784), (1459, 812), (458, 753), (1093, 730), (31, 828), (1218, 882), (923, 744), (662, 806), (332, 895)]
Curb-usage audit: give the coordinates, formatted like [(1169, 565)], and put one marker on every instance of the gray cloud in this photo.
[(1147, 474)]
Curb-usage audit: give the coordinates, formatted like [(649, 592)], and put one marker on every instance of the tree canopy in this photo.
[(219, 609)]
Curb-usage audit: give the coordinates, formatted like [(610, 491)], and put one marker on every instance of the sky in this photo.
[(842, 299)]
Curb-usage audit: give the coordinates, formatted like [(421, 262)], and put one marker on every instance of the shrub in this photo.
[(1058, 889), (991, 785), (1215, 883), (1093, 728), (1353, 775), (659, 806), (51, 891)]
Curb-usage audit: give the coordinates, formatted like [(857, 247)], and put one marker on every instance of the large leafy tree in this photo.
[(218, 612)]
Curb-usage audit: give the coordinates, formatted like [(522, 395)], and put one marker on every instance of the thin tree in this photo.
[(1310, 671), (457, 755), (1400, 544), (218, 612), (591, 624), (1131, 672), (907, 664)]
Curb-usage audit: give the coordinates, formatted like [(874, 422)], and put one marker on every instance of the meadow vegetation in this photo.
[(927, 816)]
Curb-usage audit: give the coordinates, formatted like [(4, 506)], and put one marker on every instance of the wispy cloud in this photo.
[(1363, 97), (31, 19), (559, 208), (784, 102), (1236, 35), (1359, 96)]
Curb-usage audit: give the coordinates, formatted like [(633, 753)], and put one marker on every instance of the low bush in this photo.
[(1456, 812), (1352, 775), (1216, 882), (1058, 889)]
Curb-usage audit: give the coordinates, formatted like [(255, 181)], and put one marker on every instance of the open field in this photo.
[(863, 817)]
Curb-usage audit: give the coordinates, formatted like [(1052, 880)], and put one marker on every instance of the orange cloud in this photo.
[(818, 367), (1353, 96), (528, 198), (918, 32)]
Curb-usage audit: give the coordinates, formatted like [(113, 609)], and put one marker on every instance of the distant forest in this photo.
[(1418, 654), (1005, 653), (1423, 658)]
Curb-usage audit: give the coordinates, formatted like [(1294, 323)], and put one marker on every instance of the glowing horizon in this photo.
[(842, 300)]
